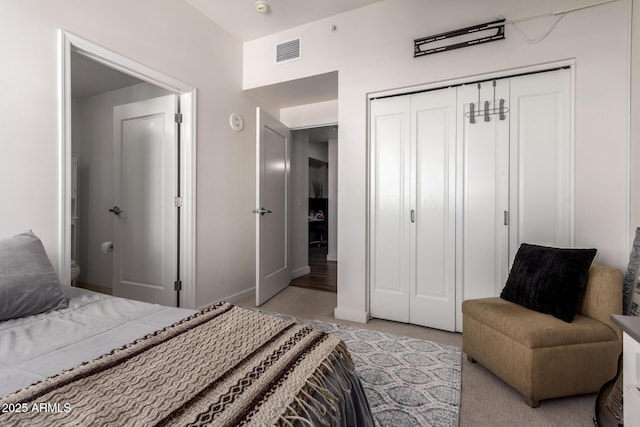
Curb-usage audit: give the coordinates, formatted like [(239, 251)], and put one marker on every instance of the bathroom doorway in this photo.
[(97, 82)]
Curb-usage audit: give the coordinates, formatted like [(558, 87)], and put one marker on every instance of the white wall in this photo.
[(372, 51), (92, 141), (196, 52)]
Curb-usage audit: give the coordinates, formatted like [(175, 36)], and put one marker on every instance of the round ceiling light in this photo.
[(262, 7)]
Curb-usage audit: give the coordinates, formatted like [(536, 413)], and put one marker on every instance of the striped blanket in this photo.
[(224, 366)]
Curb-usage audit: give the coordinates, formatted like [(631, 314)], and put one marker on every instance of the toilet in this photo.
[(75, 271)]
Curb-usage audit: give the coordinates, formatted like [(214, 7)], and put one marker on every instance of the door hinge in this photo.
[(178, 202), (178, 117), (177, 285)]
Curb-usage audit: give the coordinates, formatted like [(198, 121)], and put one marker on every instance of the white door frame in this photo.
[(69, 42)]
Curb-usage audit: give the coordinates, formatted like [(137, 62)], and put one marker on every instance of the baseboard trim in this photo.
[(235, 297), (300, 272), (351, 315), (332, 257)]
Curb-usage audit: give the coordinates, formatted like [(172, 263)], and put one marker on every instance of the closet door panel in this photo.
[(433, 125), (542, 199), (484, 175), (389, 257)]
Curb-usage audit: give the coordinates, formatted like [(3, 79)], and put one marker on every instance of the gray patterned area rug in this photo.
[(408, 382)]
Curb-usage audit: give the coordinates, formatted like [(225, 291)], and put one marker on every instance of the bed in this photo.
[(100, 360)]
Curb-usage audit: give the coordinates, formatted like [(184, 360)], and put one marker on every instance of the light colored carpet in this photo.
[(485, 399)]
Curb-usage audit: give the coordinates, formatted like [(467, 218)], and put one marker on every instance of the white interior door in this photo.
[(391, 204), (272, 173), (145, 219), (433, 136)]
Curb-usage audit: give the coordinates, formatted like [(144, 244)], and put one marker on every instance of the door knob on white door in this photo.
[(116, 210)]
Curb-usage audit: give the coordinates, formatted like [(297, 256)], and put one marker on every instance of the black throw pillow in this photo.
[(549, 280)]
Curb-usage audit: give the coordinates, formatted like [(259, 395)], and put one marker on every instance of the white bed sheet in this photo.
[(35, 347)]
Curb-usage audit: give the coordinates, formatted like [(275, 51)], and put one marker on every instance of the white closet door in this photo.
[(433, 136), (390, 232), (483, 174), (541, 199)]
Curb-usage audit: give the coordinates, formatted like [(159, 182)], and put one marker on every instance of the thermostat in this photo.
[(236, 122)]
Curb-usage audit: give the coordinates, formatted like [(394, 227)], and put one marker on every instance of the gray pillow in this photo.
[(28, 283)]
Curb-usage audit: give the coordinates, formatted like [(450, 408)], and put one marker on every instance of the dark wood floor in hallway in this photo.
[(323, 275)]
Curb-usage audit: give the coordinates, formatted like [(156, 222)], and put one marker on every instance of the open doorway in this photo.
[(94, 82), (314, 219)]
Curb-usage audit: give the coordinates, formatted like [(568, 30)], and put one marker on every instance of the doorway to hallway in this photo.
[(314, 212)]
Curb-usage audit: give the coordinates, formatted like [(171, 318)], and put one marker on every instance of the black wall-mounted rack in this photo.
[(498, 25)]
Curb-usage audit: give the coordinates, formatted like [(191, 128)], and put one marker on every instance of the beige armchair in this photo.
[(544, 357)]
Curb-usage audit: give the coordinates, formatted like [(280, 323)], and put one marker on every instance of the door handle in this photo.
[(261, 211), (413, 215), (116, 210)]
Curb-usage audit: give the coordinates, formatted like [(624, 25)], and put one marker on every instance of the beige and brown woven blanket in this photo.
[(224, 366)]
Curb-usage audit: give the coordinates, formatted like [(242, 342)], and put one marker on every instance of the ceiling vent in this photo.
[(290, 50)]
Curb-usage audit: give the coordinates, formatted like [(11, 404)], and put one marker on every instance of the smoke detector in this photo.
[(262, 7)]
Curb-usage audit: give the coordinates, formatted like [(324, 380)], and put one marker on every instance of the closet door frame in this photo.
[(498, 74)]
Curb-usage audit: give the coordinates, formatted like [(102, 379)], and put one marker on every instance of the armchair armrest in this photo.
[(603, 295)]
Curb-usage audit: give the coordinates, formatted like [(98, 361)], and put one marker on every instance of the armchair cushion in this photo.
[(515, 321), (549, 280)]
